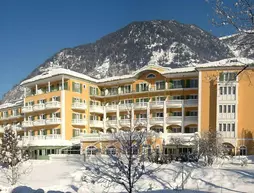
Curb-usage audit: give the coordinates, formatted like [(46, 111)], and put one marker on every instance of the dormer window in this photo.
[(151, 76)]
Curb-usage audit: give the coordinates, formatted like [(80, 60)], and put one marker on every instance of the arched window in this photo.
[(150, 76), (91, 150)]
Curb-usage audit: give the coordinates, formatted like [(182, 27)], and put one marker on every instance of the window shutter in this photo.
[(147, 99), (153, 99), (221, 76), (73, 86), (187, 83), (58, 131), (80, 88), (49, 131), (122, 102), (137, 100), (80, 116), (44, 132), (80, 100), (66, 86), (73, 99), (154, 114), (73, 116), (97, 91), (137, 116), (137, 87), (91, 90), (73, 132), (122, 89), (170, 85)]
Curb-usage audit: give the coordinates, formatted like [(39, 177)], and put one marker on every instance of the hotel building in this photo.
[(62, 109)]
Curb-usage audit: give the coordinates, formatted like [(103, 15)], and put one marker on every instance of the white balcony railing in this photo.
[(111, 123), (157, 104), (191, 102), (26, 109), (39, 122), (141, 105), (96, 109), (53, 121), (174, 103), (53, 104), (174, 119), (79, 122), (96, 123), (39, 107), (111, 108), (42, 137), (191, 119), (125, 122), (125, 107), (27, 123), (96, 136), (79, 106), (226, 116), (156, 120)]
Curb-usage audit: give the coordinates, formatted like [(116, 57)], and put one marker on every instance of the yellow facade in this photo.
[(75, 108)]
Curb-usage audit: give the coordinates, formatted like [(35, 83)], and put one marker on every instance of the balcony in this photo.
[(188, 120), (174, 120), (191, 103), (39, 122), (111, 108), (140, 105), (15, 116), (125, 122), (96, 123), (111, 123), (174, 103), (39, 107), (156, 120), (53, 121), (96, 109), (27, 124), (125, 107), (140, 122), (78, 106), (27, 109), (1, 129), (53, 105), (79, 122), (96, 137), (227, 97), (4, 118), (157, 104), (226, 116), (16, 127)]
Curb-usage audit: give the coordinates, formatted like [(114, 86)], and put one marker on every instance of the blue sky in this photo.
[(32, 31)]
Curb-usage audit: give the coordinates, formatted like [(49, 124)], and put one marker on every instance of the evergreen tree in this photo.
[(11, 156)]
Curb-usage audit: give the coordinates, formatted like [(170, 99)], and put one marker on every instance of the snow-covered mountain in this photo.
[(167, 43), (242, 45)]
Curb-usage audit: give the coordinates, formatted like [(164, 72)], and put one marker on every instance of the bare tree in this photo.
[(209, 146), (236, 13), (126, 165), (12, 157)]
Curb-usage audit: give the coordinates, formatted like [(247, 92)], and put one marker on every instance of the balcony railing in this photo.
[(174, 119), (174, 103), (157, 104), (111, 108), (27, 123), (79, 122), (96, 123), (96, 108), (141, 105), (53, 121), (192, 119), (125, 107), (191, 102), (96, 136), (79, 106), (39, 122), (156, 120), (39, 107), (53, 104), (125, 122), (111, 123), (43, 137), (27, 109)]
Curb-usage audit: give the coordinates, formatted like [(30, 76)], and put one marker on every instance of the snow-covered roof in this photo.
[(227, 63), (9, 105)]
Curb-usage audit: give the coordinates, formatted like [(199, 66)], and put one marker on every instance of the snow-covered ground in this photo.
[(65, 176)]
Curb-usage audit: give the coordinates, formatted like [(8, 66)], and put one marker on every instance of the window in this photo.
[(177, 83), (224, 127), (160, 114), (220, 127), (220, 109), (229, 90), (142, 100), (233, 126), (229, 127), (193, 96), (229, 108), (113, 91), (192, 113), (94, 91), (225, 109), (125, 89), (111, 150), (177, 113), (159, 98), (234, 90), (76, 87), (221, 90), (233, 108), (176, 130), (193, 83), (160, 85), (227, 76), (225, 90), (141, 116), (178, 97), (150, 76), (142, 87)]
